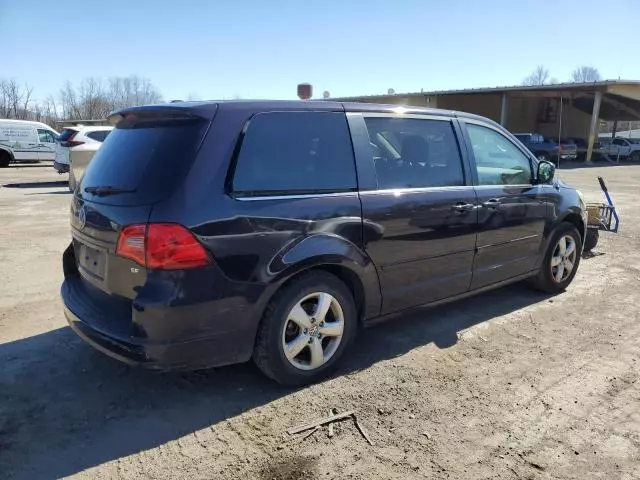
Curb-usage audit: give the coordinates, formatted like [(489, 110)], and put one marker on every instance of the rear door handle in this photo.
[(463, 207), (492, 203)]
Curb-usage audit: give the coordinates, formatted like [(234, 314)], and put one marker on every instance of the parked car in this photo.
[(75, 147), (621, 147), (25, 141), (581, 146), (205, 234), (546, 149)]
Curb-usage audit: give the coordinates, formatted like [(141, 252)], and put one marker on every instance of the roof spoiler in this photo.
[(169, 111)]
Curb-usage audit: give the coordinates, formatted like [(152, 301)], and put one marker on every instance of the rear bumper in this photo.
[(108, 328), (61, 167)]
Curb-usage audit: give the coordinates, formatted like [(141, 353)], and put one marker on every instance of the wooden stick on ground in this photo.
[(307, 435), (333, 411), (320, 422), (361, 429)]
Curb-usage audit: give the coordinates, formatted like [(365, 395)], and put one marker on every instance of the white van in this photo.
[(26, 141)]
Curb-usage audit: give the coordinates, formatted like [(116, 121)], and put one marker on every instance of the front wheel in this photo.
[(561, 260), (306, 329)]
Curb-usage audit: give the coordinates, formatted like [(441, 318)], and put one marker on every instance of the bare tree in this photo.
[(585, 74), (15, 99), (26, 101), (69, 101), (4, 99), (540, 76), (93, 99), (132, 91), (46, 111)]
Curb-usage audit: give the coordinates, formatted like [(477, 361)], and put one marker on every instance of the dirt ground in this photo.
[(510, 384)]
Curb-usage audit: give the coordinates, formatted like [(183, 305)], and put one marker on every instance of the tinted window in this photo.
[(413, 153), (498, 160), (295, 152), (45, 136), (66, 134), (150, 158), (98, 135)]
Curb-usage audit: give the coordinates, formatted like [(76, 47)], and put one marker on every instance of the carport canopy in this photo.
[(579, 106)]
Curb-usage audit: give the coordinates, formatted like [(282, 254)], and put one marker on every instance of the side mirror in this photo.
[(546, 171)]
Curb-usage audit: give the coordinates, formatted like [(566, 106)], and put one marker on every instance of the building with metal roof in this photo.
[(556, 110)]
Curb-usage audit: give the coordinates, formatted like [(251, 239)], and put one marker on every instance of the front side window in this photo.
[(414, 153), (45, 136), (498, 160), (295, 152)]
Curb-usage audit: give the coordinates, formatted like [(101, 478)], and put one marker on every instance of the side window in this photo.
[(414, 153), (295, 152), (98, 135), (45, 136), (498, 161)]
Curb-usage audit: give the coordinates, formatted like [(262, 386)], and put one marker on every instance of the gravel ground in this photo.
[(509, 384)]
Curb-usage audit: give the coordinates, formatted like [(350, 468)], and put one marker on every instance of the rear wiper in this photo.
[(107, 190)]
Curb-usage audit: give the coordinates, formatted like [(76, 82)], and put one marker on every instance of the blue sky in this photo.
[(262, 49)]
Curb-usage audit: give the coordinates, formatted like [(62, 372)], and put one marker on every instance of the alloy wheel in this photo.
[(313, 331), (563, 259)]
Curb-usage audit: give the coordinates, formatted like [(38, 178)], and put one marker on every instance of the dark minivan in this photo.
[(209, 233)]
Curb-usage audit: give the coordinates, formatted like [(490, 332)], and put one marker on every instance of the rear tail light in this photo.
[(164, 246), (131, 243)]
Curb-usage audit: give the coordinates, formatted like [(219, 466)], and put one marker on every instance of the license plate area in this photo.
[(91, 261)]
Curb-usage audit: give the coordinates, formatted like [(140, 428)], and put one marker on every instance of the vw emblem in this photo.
[(82, 217)]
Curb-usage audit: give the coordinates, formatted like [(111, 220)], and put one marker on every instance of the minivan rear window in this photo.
[(66, 134), (145, 162)]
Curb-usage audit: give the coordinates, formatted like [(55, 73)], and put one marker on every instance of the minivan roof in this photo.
[(208, 108)]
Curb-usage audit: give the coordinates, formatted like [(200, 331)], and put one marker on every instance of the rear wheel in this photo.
[(5, 159), (306, 329), (561, 260), (635, 156)]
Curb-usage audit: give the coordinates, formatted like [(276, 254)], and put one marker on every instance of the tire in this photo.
[(72, 181), (591, 240), (548, 279), (277, 329), (5, 159), (635, 156)]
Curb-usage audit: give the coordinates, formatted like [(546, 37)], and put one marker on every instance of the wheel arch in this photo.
[(7, 151), (335, 255), (576, 220)]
